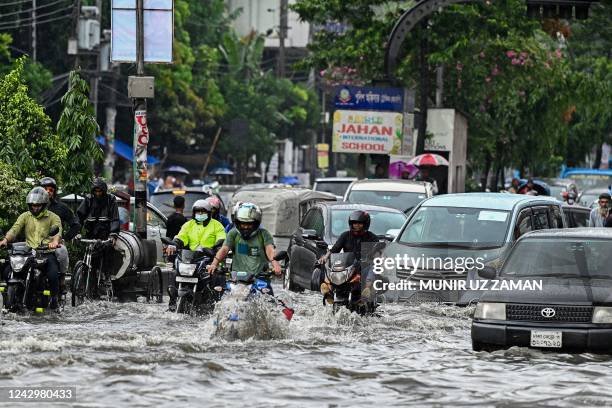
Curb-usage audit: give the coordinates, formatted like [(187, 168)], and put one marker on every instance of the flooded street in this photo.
[(137, 354)]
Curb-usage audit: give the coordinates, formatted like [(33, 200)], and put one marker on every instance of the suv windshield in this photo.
[(399, 200), (381, 221), (335, 187), (165, 201), (560, 257), (455, 226)]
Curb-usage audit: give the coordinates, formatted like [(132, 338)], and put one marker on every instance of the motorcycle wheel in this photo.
[(79, 284), (12, 299), (155, 285), (184, 305)]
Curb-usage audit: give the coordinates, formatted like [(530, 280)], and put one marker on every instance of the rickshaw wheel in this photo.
[(155, 285)]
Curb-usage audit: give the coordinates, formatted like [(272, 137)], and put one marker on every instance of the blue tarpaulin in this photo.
[(124, 150)]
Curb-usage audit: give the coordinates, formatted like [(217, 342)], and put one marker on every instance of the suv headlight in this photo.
[(602, 314), (490, 311), (17, 262), (186, 269)]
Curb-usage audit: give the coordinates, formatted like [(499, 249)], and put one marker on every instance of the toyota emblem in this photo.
[(548, 312)]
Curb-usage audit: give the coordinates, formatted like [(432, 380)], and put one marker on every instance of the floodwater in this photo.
[(137, 354)]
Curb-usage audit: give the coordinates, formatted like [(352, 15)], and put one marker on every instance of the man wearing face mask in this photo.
[(202, 231)]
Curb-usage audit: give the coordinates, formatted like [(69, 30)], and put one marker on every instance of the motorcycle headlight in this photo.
[(490, 311), (602, 314), (338, 278), (186, 269), (17, 262)]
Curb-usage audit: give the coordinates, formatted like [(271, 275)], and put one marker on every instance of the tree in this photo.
[(78, 128), (27, 141), (12, 195)]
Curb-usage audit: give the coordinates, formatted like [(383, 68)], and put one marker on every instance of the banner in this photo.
[(141, 140), (369, 98), (367, 132), (322, 155)]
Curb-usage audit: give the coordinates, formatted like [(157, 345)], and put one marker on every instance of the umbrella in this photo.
[(177, 169), (428, 159), (396, 169), (221, 171)]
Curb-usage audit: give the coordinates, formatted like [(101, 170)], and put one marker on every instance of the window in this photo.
[(314, 220), (523, 224), (540, 218), (581, 218), (557, 217)]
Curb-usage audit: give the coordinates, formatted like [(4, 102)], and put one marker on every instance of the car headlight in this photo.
[(490, 311), (17, 262), (186, 269), (602, 314)]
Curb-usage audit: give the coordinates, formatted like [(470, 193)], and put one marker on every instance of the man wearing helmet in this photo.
[(98, 213), (350, 241), (201, 231), (70, 224), (37, 224), (215, 203), (252, 246)]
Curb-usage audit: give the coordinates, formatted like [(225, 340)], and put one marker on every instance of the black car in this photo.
[(572, 307), (320, 228)]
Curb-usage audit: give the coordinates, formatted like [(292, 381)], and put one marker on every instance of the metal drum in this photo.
[(129, 254)]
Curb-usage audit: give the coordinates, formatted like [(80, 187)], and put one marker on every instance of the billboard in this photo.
[(367, 132), (369, 98)]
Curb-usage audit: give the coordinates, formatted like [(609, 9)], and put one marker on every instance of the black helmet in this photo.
[(360, 216), (48, 182), (99, 182)]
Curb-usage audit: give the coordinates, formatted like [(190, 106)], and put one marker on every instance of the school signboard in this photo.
[(367, 132)]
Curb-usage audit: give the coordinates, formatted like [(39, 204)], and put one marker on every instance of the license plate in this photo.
[(186, 280), (546, 338)]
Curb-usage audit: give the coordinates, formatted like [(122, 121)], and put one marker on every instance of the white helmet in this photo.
[(201, 205)]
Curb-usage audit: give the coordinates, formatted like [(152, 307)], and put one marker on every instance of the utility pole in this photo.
[(34, 30), (141, 132), (109, 127), (424, 79), (282, 35), (94, 81)]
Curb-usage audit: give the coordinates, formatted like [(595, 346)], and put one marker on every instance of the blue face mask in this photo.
[(201, 217)]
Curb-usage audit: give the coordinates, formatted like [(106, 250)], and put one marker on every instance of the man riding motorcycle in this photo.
[(37, 223), (253, 247), (99, 215), (202, 231), (349, 241), (70, 224)]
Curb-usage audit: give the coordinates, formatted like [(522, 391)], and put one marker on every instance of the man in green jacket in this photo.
[(37, 224), (202, 231)]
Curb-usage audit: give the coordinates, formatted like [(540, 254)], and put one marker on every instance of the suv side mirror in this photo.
[(487, 272), (391, 234), (310, 234)]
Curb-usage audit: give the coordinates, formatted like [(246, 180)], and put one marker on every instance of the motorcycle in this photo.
[(238, 315), (27, 287), (343, 281), (196, 292)]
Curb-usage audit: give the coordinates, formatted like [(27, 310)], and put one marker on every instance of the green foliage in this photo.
[(12, 196), (515, 83), (78, 128), (27, 141)]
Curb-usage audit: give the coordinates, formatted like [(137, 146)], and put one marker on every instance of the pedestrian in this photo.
[(425, 175), (514, 186), (598, 215), (379, 172), (176, 220)]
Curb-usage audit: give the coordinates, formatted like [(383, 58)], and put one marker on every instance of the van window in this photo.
[(557, 217), (581, 218)]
